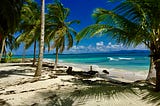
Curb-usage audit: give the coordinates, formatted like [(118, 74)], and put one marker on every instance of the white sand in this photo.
[(37, 92)]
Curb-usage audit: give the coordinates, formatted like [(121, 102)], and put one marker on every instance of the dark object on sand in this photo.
[(4, 103), (35, 104), (50, 65), (81, 73), (92, 72), (69, 71), (105, 71)]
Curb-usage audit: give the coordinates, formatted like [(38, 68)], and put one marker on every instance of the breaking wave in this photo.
[(119, 58)]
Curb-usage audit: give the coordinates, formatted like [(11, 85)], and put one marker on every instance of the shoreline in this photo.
[(122, 75), (119, 74)]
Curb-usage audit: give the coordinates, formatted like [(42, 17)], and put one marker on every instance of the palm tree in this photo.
[(9, 18), (132, 23), (29, 26), (58, 29), (41, 47), (7, 42)]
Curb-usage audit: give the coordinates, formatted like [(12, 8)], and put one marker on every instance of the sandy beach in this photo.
[(80, 53), (18, 87)]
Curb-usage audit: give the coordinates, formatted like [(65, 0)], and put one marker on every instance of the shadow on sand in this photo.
[(105, 90), (13, 72)]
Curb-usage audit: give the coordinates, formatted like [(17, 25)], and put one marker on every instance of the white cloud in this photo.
[(109, 44), (139, 47), (101, 47), (100, 43)]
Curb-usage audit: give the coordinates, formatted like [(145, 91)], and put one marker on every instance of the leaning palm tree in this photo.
[(132, 22), (41, 47), (58, 30), (7, 42)]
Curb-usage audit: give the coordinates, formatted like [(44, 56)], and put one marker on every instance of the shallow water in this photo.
[(123, 60)]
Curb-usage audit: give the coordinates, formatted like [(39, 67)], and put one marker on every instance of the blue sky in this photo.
[(82, 10)]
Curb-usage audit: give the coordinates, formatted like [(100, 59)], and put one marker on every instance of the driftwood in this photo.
[(81, 73), (105, 71)]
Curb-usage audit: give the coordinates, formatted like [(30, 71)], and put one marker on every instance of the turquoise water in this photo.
[(125, 60)]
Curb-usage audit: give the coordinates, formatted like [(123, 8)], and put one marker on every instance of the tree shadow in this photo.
[(96, 90), (55, 99), (22, 65), (59, 101), (4, 73), (4, 103), (103, 91), (152, 97)]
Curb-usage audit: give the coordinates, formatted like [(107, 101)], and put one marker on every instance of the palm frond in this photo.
[(72, 22), (57, 29), (72, 31), (93, 30), (70, 40), (62, 44), (29, 24)]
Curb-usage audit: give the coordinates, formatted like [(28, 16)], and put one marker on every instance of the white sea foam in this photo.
[(119, 58), (48, 60), (112, 59), (124, 58)]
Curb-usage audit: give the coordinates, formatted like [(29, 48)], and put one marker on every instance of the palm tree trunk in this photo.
[(156, 60), (151, 70), (34, 58), (157, 67), (40, 59), (56, 60), (2, 50), (24, 54), (5, 52)]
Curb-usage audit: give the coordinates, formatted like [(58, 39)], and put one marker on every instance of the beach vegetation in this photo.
[(14, 60), (131, 23)]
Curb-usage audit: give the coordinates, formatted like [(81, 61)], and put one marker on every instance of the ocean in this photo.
[(132, 60)]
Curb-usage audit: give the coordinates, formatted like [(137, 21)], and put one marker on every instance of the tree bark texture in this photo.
[(41, 47), (2, 49), (151, 73), (157, 67), (56, 60), (24, 53), (34, 58)]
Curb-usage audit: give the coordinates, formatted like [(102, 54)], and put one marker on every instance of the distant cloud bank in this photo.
[(101, 47)]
